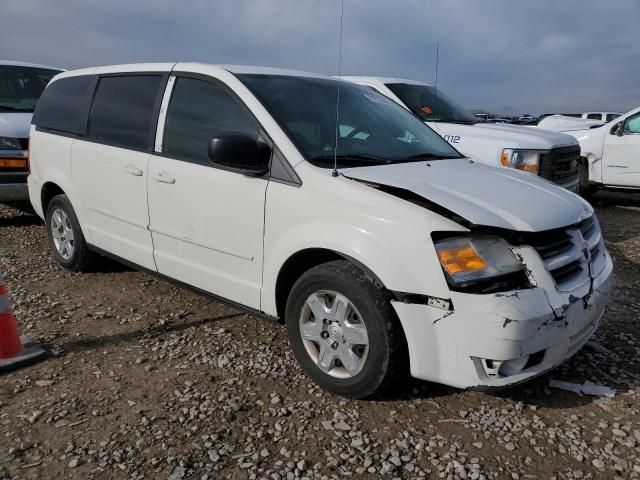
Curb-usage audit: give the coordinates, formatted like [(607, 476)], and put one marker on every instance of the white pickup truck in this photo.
[(610, 152), (550, 155)]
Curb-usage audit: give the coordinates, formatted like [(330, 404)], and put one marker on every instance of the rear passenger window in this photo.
[(594, 116), (122, 113), (64, 105), (198, 111)]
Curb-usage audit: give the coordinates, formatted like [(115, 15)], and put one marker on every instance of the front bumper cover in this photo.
[(450, 347)]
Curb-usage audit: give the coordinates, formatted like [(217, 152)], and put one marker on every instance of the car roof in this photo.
[(384, 80), (26, 64), (166, 67)]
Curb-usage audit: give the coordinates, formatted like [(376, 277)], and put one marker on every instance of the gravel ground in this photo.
[(146, 380)]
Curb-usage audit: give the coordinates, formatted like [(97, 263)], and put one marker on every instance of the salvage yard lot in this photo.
[(147, 380)]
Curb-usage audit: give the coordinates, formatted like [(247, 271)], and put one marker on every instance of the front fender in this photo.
[(401, 256)]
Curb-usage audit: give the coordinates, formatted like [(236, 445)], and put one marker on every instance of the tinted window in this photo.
[(372, 128), (122, 112), (432, 105), (21, 87), (200, 110), (612, 116), (594, 116), (64, 105)]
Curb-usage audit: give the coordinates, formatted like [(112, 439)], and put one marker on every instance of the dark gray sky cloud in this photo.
[(537, 56)]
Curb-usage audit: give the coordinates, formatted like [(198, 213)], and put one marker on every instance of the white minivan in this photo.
[(550, 155), (383, 249), (20, 87)]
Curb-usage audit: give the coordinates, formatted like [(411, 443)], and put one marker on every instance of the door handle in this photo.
[(164, 177), (133, 170)]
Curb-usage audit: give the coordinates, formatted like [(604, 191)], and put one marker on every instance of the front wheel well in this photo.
[(304, 260), (49, 190)]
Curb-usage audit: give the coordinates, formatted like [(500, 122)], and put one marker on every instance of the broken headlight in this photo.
[(485, 262)]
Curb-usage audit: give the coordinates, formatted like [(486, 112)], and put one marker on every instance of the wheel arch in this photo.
[(47, 192), (304, 260)]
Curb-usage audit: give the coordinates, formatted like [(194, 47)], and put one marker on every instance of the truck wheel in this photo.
[(65, 236), (344, 332), (584, 188)]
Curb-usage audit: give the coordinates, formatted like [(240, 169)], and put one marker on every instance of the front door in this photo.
[(207, 223), (621, 154)]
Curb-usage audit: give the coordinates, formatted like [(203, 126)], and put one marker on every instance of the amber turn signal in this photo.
[(461, 259)]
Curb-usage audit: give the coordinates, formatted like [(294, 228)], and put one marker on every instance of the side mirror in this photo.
[(240, 152), (619, 129)]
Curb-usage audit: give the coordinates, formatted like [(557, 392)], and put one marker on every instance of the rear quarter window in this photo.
[(64, 105)]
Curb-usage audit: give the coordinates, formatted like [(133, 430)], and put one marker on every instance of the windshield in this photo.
[(430, 104), (372, 128), (21, 87)]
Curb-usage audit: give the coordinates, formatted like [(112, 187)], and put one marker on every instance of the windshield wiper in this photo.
[(360, 157), (428, 156), (7, 108), (460, 122)]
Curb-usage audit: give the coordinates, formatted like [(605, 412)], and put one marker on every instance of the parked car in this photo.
[(385, 254), (602, 116), (610, 151), (20, 87), (547, 154)]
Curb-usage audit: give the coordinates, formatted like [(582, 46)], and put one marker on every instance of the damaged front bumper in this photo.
[(501, 339)]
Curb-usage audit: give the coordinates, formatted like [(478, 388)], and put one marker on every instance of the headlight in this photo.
[(468, 259), (526, 160), (8, 143)]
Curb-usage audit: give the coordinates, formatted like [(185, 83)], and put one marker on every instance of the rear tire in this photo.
[(364, 354), (65, 236)]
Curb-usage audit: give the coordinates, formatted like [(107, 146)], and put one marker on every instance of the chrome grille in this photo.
[(570, 254)]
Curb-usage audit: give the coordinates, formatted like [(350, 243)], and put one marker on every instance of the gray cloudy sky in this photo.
[(534, 56)]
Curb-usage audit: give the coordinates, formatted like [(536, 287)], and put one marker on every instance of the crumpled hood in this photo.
[(482, 194), (15, 125)]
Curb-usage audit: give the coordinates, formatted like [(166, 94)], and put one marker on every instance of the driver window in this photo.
[(632, 124)]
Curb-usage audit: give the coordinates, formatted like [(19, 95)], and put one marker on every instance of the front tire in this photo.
[(585, 190), (65, 236), (344, 332)]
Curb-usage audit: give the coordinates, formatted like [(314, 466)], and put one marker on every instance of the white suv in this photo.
[(407, 257)]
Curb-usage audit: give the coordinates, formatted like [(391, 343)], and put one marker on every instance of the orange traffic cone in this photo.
[(14, 351)]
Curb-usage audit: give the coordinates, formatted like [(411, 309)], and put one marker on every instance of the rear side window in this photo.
[(123, 111), (198, 111), (594, 116), (64, 105)]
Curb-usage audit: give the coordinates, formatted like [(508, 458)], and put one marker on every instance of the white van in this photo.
[(20, 87), (548, 154), (610, 152), (407, 257)]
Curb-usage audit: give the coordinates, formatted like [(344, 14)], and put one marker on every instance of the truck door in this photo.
[(621, 153)]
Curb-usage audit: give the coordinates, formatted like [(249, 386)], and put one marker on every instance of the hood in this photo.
[(482, 194), (526, 137), (560, 123), (15, 125)]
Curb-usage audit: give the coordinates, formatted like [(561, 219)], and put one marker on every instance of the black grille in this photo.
[(560, 164), (567, 271)]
